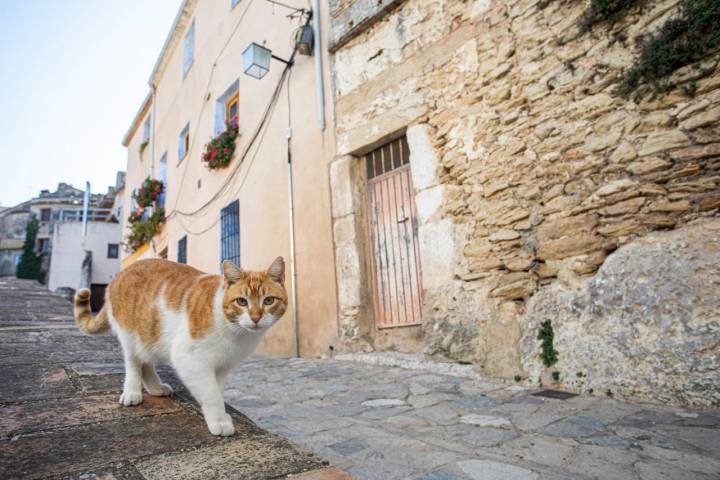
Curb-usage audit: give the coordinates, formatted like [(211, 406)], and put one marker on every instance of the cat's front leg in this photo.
[(203, 385)]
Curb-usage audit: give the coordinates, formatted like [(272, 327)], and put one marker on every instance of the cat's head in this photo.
[(254, 301)]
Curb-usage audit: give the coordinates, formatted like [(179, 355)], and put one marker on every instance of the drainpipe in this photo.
[(86, 206), (152, 132), (293, 271), (317, 53)]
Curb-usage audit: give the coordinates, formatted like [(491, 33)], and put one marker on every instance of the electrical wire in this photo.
[(226, 183), (259, 133), (193, 137), (242, 182)]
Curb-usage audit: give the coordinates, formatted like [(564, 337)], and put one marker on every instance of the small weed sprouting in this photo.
[(556, 375), (691, 88), (681, 41), (518, 378), (549, 355), (605, 11)]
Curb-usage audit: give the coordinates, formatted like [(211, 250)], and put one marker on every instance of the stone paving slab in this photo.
[(60, 417), (378, 421)]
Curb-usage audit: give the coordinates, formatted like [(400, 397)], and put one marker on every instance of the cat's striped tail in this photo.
[(83, 314)]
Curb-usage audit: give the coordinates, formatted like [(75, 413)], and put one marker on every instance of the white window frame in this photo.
[(221, 104)]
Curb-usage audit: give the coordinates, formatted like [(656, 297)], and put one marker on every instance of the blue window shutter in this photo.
[(189, 47)]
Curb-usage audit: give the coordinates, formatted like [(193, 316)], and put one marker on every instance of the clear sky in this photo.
[(72, 76)]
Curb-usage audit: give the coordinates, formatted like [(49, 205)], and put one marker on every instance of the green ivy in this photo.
[(30, 265), (142, 231), (549, 355), (605, 11), (679, 42)]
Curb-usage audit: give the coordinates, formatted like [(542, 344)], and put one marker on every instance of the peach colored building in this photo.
[(241, 212)]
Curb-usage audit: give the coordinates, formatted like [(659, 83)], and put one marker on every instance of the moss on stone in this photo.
[(681, 41), (605, 11)]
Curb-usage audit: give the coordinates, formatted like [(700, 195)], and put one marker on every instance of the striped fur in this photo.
[(84, 318), (201, 324)]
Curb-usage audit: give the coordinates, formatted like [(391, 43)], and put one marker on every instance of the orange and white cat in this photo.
[(201, 324)]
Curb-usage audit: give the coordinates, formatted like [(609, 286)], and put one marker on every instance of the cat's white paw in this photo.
[(165, 390), (131, 398), (223, 427)]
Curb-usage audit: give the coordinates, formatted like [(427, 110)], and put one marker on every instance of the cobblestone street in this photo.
[(384, 423), (60, 418)]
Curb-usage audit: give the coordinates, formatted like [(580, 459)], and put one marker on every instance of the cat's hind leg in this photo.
[(132, 387), (152, 382)]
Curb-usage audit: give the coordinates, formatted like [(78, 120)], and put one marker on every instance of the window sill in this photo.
[(187, 70)]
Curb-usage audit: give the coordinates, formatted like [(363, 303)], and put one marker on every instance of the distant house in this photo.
[(87, 255), (13, 221), (72, 258)]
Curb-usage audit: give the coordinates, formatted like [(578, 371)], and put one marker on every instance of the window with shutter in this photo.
[(182, 250), (230, 233), (183, 142), (227, 107), (188, 48)]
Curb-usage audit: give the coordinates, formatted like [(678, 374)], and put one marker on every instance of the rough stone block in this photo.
[(341, 186)]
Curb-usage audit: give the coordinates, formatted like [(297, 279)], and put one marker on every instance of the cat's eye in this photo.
[(269, 300), (241, 301)]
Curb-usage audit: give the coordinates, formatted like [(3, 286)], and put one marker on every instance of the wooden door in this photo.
[(396, 275)]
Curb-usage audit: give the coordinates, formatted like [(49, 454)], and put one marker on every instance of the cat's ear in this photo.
[(232, 272), (277, 270)]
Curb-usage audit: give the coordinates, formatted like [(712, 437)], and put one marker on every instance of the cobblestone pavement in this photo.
[(59, 416), (385, 423)]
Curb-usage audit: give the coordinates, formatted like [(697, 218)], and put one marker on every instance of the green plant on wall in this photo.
[(605, 11), (548, 353), (142, 231), (30, 265), (681, 41)]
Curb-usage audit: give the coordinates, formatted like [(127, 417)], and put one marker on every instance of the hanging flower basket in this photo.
[(148, 192), (135, 216), (142, 231), (219, 150)]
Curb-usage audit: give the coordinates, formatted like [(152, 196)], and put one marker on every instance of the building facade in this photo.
[(13, 221), (239, 212), (60, 214), (85, 259), (496, 201)]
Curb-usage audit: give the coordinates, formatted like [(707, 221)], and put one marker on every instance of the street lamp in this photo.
[(256, 60)]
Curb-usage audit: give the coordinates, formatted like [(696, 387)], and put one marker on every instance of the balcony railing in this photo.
[(76, 215)]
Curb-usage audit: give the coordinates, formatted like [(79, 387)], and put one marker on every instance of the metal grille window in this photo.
[(390, 156), (397, 279), (182, 250), (230, 233)]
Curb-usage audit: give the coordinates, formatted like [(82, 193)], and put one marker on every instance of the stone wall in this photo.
[(553, 187)]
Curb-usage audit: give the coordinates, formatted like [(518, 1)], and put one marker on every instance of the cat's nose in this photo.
[(255, 317)]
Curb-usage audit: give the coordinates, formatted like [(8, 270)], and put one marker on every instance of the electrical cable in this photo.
[(193, 137), (222, 189)]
